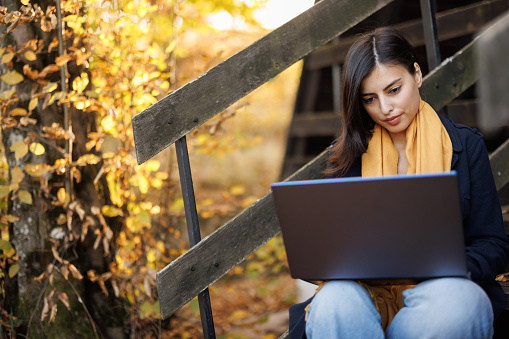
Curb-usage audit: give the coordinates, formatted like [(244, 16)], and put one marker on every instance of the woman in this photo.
[(388, 129)]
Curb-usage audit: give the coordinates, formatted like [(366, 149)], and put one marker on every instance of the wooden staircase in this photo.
[(173, 117)]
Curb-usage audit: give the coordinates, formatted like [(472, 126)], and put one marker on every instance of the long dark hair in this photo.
[(386, 46)]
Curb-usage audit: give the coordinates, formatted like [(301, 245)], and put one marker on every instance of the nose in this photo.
[(385, 105)]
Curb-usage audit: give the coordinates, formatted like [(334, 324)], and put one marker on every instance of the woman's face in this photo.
[(390, 95)]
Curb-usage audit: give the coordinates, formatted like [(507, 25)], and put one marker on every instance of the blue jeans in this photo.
[(438, 308)]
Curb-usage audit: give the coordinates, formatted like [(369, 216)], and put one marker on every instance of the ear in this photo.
[(418, 74)]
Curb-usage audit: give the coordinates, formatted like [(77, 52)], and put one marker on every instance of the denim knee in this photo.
[(446, 308), (342, 309)]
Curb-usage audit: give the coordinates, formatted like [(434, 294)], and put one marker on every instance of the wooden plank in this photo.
[(451, 24), (177, 284), (212, 92), (500, 165), (494, 76)]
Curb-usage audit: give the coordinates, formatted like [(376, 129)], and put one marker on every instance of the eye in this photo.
[(395, 90), (368, 100)]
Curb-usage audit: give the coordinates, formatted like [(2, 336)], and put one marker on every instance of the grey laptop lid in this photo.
[(405, 226)]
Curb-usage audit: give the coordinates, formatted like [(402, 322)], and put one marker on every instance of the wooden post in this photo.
[(193, 228)]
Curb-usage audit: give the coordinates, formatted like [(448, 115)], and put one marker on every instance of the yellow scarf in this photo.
[(428, 149)]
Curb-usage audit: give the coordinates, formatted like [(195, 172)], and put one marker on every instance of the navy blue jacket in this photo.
[(487, 245)]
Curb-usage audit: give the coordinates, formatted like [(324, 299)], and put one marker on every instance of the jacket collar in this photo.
[(457, 147), (453, 134)]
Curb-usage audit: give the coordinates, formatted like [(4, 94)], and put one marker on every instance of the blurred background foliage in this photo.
[(67, 97)]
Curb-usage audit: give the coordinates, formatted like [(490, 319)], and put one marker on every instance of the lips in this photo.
[(393, 120)]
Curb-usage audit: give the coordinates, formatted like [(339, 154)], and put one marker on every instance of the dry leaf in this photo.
[(53, 313), (12, 78), (88, 159), (18, 111), (37, 170), (45, 309), (146, 285), (63, 196), (32, 74), (62, 219), (7, 57), (65, 272), (25, 121), (63, 59), (106, 246), (103, 287), (40, 277), (65, 300), (75, 273), (20, 149), (97, 241), (30, 56), (48, 69), (11, 218), (80, 211), (25, 197), (55, 253), (53, 44), (16, 175), (13, 270), (36, 148), (114, 285), (33, 104), (9, 123)]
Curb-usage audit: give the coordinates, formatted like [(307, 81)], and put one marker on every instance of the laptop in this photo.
[(391, 227)]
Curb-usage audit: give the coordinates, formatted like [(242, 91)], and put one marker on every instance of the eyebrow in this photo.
[(385, 88)]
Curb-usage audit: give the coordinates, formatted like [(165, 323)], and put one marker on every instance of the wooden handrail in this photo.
[(188, 107), (215, 255)]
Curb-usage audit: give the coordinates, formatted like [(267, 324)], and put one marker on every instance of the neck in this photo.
[(398, 139)]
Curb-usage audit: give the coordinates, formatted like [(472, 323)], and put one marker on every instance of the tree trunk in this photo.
[(30, 233)]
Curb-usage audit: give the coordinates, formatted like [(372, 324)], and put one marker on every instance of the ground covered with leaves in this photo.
[(242, 308)]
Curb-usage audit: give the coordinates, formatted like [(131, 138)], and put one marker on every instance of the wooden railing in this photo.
[(170, 119)]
